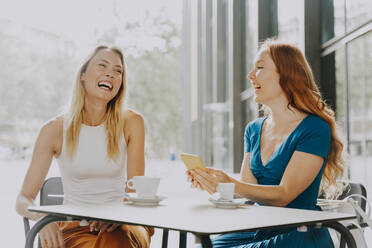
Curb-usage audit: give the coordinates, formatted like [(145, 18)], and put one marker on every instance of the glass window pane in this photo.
[(250, 110), (251, 36), (290, 21), (217, 143), (357, 13), (368, 100), (340, 68), (333, 19), (339, 17), (358, 61), (194, 61)]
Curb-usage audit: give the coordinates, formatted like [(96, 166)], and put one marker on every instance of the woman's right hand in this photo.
[(194, 183), (51, 236)]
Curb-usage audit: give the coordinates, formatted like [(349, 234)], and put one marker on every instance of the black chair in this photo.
[(51, 193), (350, 189)]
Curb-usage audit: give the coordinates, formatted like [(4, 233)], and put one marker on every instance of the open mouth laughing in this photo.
[(106, 85), (256, 87)]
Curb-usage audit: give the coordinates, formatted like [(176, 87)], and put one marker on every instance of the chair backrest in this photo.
[(51, 192), (355, 188)]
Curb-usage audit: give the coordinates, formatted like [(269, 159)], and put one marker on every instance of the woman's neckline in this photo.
[(99, 125), (280, 146)]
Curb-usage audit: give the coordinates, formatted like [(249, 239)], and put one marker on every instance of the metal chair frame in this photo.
[(355, 188), (51, 193)]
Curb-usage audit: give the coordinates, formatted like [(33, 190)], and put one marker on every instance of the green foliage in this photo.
[(37, 73), (154, 85)]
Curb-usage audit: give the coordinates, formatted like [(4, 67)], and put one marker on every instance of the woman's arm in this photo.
[(134, 130), (46, 145), (299, 174), (246, 174)]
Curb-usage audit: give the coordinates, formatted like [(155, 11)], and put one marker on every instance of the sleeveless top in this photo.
[(90, 177)]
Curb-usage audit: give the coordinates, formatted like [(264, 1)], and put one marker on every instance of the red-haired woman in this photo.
[(290, 153)]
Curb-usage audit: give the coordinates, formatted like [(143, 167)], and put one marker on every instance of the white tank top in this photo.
[(90, 177)]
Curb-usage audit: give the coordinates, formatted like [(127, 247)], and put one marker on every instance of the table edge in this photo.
[(291, 225)]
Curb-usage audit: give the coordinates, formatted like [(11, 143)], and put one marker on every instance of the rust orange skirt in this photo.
[(76, 236)]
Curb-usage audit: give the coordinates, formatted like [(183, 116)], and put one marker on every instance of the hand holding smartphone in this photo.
[(192, 161)]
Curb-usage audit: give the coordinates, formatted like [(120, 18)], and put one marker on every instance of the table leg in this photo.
[(164, 242), (350, 241), (183, 239), (205, 240), (38, 226)]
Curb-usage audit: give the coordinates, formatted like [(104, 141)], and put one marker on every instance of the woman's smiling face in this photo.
[(265, 79), (103, 76)]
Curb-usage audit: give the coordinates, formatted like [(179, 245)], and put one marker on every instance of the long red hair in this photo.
[(298, 84)]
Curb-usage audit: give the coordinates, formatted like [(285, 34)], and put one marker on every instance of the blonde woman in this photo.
[(98, 146), (289, 154)]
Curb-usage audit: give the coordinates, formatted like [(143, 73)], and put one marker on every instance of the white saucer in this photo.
[(329, 204), (140, 201), (234, 203)]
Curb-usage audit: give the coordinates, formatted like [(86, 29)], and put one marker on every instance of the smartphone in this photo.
[(192, 161)]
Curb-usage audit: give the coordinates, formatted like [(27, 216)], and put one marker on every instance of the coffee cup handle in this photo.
[(130, 181)]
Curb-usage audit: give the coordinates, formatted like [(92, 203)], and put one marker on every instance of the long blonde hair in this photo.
[(298, 84), (114, 113)]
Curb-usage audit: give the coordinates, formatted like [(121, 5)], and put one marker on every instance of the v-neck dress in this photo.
[(312, 135)]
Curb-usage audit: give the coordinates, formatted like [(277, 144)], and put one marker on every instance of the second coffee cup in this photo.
[(226, 191), (145, 187)]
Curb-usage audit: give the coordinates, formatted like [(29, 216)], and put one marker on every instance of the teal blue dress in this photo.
[(312, 135)]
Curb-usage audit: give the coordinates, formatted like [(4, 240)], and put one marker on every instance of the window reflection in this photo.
[(217, 119), (251, 36), (340, 67), (333, 19), (357, 13), (339, 17), (368, 92), (290, 20), (360, 116)]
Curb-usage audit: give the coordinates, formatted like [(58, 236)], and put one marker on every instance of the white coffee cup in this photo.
[(145, 187), (226, 191)]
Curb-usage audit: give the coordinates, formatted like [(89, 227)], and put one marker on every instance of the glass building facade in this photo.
[(220, 40)]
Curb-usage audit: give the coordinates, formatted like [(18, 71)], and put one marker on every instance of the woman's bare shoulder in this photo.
[(53, 126), (132, 117), (133, 123)]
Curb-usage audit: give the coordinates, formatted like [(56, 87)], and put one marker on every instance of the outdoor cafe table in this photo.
[(198, 217)]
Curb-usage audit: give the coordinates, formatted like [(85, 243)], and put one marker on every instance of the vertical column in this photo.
[(267, 19), (218, 51), (192, 125), (206, 86), (197, 124), (326, 78), (236, 77), (312, 40), (267, 22), (186, 71)]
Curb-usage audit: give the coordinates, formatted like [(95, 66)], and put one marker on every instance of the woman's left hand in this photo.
[(100, 226), (210, 178)]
